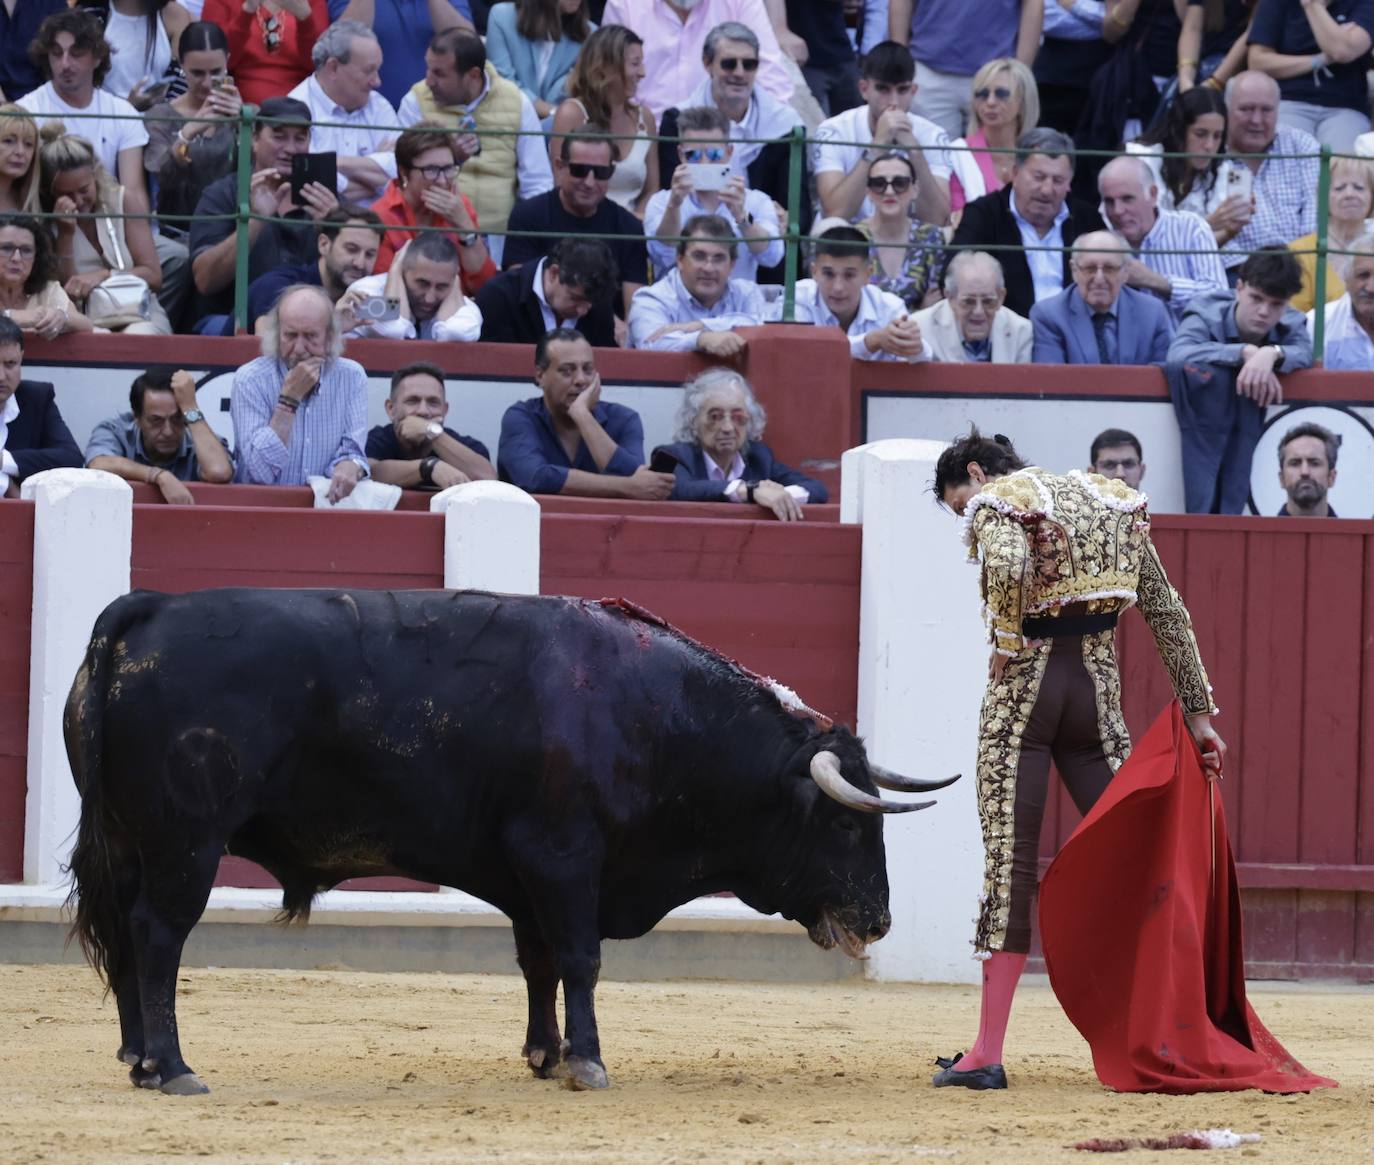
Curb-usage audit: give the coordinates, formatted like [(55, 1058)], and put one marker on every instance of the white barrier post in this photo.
[(491, 537), (922, 670), (82, 541)]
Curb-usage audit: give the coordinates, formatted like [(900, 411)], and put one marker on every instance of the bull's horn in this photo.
[(886, 779), (825, 771)]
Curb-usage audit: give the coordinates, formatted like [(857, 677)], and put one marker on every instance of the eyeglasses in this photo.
[(23, 250), (602, 173), (704, 154), (1091, 269), (900, 184), (1000, 93), (435, 173), (730, 64), (271, 29)]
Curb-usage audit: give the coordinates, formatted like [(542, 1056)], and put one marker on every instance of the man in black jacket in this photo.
[(1034, 211), (570, 287), (33, 436)]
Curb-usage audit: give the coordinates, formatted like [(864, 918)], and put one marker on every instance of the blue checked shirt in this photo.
[(669, 302), (330, 426), (1285, 192), (1176, 231)]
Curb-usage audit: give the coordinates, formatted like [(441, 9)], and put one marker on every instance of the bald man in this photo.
[(1099, 320)]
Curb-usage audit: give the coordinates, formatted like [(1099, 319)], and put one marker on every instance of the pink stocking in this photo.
[(1000, 974)]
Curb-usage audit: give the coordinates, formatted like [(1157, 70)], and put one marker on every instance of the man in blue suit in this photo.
[(33, 436), (1099, 320)]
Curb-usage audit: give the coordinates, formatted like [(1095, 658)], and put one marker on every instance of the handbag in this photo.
[(123, 298)]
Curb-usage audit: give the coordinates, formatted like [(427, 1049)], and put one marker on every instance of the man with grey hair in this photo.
[(1033, 214), (1350, 319), (343, 91), (1099, 320), (972, 323), (300, 409), (720, 453), (1173, 253)]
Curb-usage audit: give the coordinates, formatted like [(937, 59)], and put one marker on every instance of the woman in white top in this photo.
[(601, 90), (142, 35)]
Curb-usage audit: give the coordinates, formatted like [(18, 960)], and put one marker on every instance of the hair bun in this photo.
[(50, 131)]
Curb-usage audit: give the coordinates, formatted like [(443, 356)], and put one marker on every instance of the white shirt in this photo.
[(550, 320), (352, 140), (8, 467), (130, 61), (877, 309), (737, 493), (464, 325), (1348, 345), (664, 254), (1046, 264), (829, 157), (109, 136)]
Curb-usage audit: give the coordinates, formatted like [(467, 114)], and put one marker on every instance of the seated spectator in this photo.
[(214, 234), (347, 238), (1319, 55), (749, 213), (462, 91), (1307, 471), (534, 43), (697, 306), (19, 74), (404, 28), (570, 441), (424, 284), (1099, 320), (908, 254), (1284, 188), (578, 205), (300, 409), (601, 91), (1222, 376), (33, 436), (1116, 453), (1006, 104), (18, 161), (1350, 206), (1350, 320), (751, 112), (191, 138), (972, 323), (1173, 254), (425, 193), (164, 438), (571, 287), (885, 122), (142, 35), (359, 121), (720, 452), (840, 295), (828, 62), (674, 35), (415, 450), (1034, 212), (269, 42), (95, 242), (30, 294)]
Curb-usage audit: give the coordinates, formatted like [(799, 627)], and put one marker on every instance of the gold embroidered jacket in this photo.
[(1046, 540)]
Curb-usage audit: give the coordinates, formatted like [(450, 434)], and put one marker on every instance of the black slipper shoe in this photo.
[(988, 1077)]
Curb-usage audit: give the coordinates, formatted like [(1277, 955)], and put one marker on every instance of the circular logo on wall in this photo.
[(1351, 496)]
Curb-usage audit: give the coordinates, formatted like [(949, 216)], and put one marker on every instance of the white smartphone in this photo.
[(1240, 180), (709, 176)]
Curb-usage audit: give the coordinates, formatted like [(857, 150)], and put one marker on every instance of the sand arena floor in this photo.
[(332, 1066)]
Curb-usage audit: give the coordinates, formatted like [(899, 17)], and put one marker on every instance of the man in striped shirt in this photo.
[(300, 409), (1173, 253)]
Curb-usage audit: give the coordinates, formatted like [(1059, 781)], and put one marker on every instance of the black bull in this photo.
[(581, 766)]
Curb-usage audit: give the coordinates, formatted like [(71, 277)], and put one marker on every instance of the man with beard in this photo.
[(1350, 319), (1307, 471), (348, 238), (417, 450)]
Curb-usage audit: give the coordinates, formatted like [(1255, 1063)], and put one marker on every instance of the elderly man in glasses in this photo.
[(704, 183)]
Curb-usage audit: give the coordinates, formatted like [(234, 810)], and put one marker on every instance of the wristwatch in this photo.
[(193, 415), (749, 488), (434, 430), (469, 239)]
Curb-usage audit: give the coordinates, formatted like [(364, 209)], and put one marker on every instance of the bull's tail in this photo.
[(94, 897)]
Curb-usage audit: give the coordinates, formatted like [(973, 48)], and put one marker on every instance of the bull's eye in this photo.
[(846, 822)]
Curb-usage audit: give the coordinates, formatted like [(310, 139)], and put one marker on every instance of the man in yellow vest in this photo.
[(462, 90)]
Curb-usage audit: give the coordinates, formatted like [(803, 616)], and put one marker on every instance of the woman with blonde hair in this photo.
[(601, 90), (1006, 103), (18, 160), (1351, 205), (96, 245)]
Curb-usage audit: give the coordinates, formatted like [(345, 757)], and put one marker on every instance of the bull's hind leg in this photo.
[(124, 977), (543, 1043)]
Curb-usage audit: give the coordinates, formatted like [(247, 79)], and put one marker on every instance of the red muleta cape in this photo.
[(1141, 926)]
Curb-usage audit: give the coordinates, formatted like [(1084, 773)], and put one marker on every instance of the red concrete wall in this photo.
[(16, 616)]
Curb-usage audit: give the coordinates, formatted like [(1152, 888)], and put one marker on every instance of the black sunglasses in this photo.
[(900, 184), (730, 64), (602, 173), (984, 93)]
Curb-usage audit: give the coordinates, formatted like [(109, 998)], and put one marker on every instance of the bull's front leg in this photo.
[(579, 964), (543, 1044)]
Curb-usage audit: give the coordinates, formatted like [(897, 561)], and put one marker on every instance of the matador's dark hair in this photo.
[(995, 454)]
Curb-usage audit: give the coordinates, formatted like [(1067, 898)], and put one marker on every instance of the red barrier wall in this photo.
[(16, 619)]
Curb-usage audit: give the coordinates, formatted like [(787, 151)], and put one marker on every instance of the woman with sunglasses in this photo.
[(269, 42), (424, 193), (1006, 103), (907, 252)]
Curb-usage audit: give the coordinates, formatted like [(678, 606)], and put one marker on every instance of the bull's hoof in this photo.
[(580, 1074), (128, 1056), (140, 1077), (545, 1062), (187, 1084)]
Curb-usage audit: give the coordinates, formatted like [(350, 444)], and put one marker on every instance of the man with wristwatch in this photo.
[(416, 451), (164, 439)]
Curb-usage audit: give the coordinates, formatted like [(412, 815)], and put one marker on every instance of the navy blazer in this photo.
[(38, 437), (511, 313), (759, 465), (1064, 329)]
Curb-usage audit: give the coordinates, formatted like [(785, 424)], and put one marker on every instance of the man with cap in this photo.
[(282, 132)]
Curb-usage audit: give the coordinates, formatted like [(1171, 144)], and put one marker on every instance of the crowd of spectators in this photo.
[(625, 171)]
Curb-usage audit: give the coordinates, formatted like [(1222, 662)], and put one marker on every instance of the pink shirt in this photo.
[(672, 47), (987, 163)]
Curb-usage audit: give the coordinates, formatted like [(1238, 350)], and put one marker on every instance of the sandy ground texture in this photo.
[(338, 1066)]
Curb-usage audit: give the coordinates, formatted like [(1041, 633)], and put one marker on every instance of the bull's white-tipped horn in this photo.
[(887, 779), (825, 771)]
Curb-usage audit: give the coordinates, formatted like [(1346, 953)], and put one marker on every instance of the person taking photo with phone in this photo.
[(142, 35), (419, 298)]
